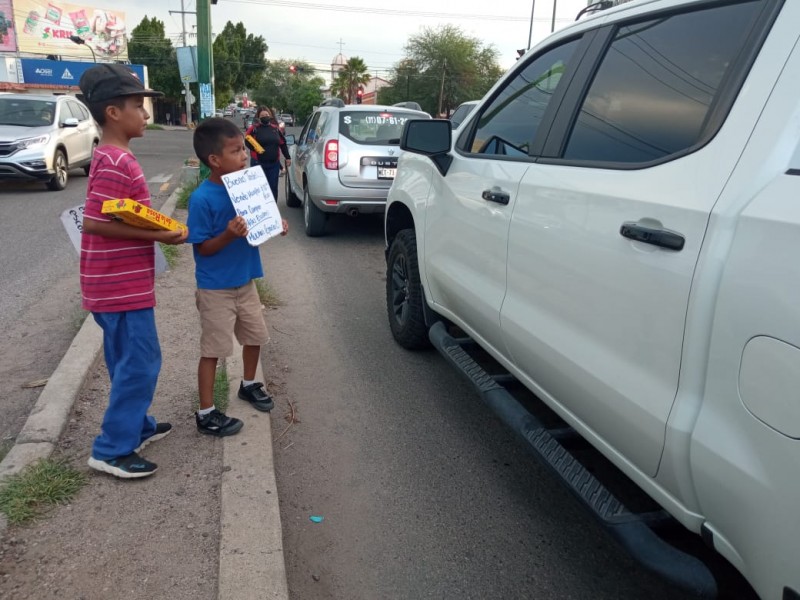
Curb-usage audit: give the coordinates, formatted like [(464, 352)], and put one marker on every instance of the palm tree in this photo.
[(353, 75)]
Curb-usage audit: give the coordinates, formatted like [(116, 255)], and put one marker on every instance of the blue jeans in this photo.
[(133, 358), (272, 171)]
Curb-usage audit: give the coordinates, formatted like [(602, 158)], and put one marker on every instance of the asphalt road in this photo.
[(423, 492), (39, 296)]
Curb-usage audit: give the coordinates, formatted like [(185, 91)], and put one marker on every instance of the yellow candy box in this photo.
[(136, 214)]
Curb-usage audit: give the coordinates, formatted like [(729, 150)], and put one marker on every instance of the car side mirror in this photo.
[(289, 139), (429, 137), (71, 122)]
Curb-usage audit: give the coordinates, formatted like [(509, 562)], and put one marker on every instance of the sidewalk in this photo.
[(205, 526)]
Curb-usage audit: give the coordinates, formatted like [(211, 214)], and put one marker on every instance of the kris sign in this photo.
[(45, 26)]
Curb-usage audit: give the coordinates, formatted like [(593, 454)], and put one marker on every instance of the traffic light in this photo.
[(359, 96)]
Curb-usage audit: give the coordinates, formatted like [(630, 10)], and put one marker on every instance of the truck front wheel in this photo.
[(404, 296)]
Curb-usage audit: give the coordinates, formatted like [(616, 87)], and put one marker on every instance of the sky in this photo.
[(311, 30)]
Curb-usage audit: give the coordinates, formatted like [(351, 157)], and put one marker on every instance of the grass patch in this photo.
[(78, 317), (266, 294), (37, 488), (5, 448), (171, 253), (221, 389), (184, 193), (154, 126)]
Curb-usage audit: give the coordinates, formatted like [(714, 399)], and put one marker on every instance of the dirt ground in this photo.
[(152, 538)]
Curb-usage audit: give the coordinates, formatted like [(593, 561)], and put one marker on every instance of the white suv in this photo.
[(42, 137), (617, 223)]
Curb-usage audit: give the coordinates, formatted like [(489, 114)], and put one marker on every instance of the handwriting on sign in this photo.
[(252, 199)]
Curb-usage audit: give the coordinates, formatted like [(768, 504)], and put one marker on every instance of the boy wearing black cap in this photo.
[(117, 273)]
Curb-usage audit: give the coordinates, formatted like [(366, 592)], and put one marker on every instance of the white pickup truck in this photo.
[(617, 224)]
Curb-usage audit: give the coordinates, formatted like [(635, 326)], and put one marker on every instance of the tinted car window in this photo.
[(461, 113), (509, 123), (28, 113), (73, 111), (382, 127), (657, 84)]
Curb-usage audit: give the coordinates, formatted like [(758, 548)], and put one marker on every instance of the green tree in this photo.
[(239, 61), (149, 46), (286, 91), (443, 65), (353, 75)]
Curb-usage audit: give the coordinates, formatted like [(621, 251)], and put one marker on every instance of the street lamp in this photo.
[(82, 42)]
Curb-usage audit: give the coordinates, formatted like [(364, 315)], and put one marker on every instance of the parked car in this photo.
[(287, 119), (345, 161), (461, 113), (43, 137), (617, 227)]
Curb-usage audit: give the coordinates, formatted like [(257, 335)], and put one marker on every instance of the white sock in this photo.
[(204, 411), (245, 382)]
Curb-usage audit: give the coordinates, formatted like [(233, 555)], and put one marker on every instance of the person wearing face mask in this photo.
[(271, 143)]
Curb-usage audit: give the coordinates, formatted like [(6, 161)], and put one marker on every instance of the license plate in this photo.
[(385, 166)]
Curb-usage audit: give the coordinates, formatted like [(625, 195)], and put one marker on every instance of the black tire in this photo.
[(404, 296), (292, 201), (313, 218), (61, 167), (88, 165)]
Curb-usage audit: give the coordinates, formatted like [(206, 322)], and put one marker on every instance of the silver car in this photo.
[(344, 161), (42, 137)]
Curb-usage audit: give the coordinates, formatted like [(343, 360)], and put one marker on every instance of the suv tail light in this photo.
[(332, 154)]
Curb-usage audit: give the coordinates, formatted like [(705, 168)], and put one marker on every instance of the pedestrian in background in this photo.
[(117, 271), (266, 132), (225, 269)]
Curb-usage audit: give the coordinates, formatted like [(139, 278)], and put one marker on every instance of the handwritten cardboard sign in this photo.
[(249, 191)]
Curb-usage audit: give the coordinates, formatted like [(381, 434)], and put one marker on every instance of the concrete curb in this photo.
[(251, 561)]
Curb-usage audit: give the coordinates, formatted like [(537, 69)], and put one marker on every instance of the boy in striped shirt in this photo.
[(118, 273)]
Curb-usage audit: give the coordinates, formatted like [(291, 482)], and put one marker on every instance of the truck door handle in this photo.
[(656, 236), (495, 195)]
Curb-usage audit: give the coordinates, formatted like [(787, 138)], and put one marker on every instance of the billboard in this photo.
[(44, 27), (60, 72), (8, 38)]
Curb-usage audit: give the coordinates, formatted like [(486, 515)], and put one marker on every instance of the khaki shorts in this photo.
[(224, 313)]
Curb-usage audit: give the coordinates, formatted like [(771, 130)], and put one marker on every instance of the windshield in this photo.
[(26, 113), (383, 127)]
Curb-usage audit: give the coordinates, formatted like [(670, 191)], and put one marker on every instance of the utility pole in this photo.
[(187, 90), (553, 21), (441, 89), (205, 52), (530, 31)]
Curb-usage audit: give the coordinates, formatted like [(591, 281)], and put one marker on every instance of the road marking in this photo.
[(160, 178), (164, 187)]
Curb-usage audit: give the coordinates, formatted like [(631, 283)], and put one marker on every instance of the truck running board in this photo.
[(631, 530)]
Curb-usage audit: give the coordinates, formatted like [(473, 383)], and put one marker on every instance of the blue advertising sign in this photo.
[(60, 72)]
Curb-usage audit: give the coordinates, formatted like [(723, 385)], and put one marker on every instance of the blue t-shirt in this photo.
[(210, 210)]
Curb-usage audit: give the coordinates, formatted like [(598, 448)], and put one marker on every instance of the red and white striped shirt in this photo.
[(116, 275)]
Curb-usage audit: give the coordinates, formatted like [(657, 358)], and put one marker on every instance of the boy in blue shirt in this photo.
[(225, 267)]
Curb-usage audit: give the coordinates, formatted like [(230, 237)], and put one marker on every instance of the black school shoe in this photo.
[(218, 424), (255, 395), (162, 431), (131, 466)]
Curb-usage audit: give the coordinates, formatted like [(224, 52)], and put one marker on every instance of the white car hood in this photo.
[(10, 133)]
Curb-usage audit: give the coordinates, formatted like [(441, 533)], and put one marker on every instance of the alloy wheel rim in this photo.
[(306, 200), (61, 170), (400, 289)]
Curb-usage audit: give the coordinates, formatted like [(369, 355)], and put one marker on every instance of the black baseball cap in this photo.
[(111, 80)]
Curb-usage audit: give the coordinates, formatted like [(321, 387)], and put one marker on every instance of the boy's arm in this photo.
[(237, 227), (119, 230)]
